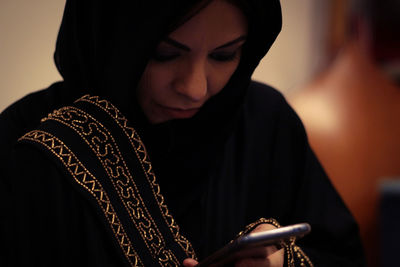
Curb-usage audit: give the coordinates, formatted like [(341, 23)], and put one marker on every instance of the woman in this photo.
[(225, 152)]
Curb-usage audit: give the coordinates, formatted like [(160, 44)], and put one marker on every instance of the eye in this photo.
[(163, 56), (224, 56)]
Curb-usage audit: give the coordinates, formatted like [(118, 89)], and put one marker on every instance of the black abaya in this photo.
[(267, 169), (244, 156)]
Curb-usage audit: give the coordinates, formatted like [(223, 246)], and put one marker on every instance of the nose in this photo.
[(191, 82)]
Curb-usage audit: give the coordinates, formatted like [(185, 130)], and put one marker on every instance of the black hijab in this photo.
[(103, 47)]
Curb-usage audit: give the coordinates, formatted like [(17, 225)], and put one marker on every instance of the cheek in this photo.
[(154, 83), (220, 75)]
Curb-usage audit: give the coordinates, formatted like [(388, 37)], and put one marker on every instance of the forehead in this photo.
[(218, 22)]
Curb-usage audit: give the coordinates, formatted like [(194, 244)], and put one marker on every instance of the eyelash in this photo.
[(217, 56), (224, 56)]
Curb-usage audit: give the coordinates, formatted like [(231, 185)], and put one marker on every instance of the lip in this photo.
[(178, 113)]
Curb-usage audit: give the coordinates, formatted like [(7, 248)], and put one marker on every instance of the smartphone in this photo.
[(253, 244)]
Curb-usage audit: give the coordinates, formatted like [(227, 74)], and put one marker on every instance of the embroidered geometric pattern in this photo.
[(142, 155), (107, 151), (84, 178)]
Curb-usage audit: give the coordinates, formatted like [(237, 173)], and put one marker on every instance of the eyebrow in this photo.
[(186, 48)]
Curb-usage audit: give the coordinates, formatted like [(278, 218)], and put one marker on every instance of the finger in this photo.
[(271, 249), (276, 259), (257, 252), (263, 227), (190, 262)]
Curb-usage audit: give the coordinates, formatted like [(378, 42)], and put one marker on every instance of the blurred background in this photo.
[(336, 61)]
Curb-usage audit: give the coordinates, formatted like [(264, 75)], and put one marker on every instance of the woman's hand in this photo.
[(190, 262), (273, 258)]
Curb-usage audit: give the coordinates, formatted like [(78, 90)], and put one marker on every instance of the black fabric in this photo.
[(112, 171), (267, 170), (50, 224), (243, 156)]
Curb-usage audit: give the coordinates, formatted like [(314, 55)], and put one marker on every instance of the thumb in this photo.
[(190, 262)]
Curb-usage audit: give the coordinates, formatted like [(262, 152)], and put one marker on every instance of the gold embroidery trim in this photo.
[(142, 155), (253, 225), (293, 252), (86, 179), (102, 143)]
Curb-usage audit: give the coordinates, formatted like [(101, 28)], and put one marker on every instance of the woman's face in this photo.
[(193, 64)]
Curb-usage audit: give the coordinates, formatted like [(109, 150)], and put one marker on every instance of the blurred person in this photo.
[(351, 111), (158, 149)]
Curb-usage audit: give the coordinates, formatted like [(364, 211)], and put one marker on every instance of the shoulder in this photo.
[(33, 105), (264, 89), (26, 113), (265, 105), (259, 93)]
